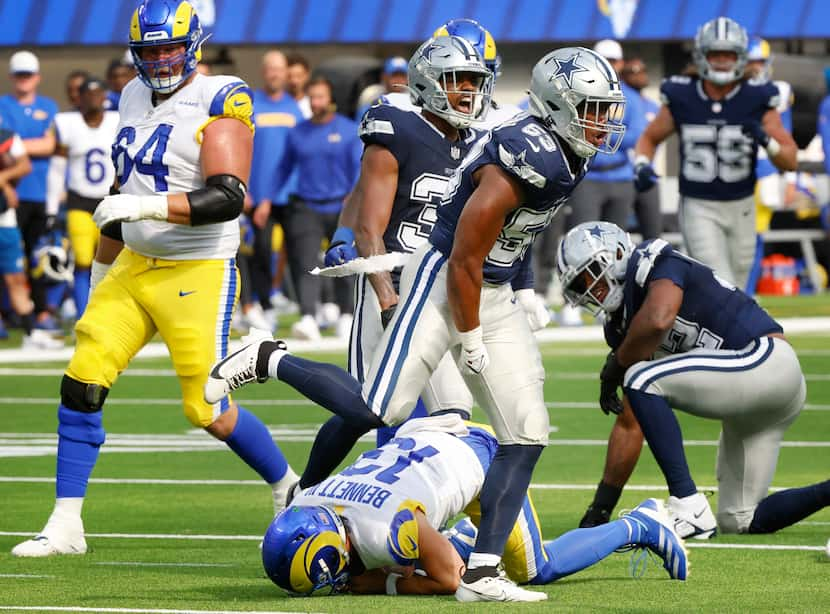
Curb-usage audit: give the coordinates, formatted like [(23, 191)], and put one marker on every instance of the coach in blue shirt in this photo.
[(324, 153), (30, 116)]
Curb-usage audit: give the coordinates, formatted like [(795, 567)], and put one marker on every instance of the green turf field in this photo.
[(193, 546)]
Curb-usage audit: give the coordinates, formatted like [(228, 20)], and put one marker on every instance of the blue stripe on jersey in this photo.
[(230, 273), (409, 314), (684, 363)]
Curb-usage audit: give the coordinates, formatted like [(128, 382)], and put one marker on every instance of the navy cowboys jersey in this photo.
[(717, 162), (426, 161), (522, 147), (714, 314)]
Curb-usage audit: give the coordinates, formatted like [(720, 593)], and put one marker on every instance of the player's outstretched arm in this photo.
[(660, 128), (438, 560)]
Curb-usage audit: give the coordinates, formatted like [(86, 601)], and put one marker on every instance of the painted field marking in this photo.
[(23, 575), (146, 564), (49, 608)]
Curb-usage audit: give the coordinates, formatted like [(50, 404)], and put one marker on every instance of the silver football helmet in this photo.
[(434, 74), (573, 90), (720, 34), (590, 253)]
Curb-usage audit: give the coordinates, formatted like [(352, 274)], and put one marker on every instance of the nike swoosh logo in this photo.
[(239, 103), (181, 293), (700, 513)]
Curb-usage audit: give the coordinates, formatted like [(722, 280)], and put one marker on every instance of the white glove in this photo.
[(474, 356), (129, 208), (98, 272), (538, 315)]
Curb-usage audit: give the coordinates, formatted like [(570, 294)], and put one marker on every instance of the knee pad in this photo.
[(86, 398)]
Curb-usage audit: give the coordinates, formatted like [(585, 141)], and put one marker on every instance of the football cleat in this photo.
[(462, 536), (594, 516), (240, 367), (660, 537), (51, 542), (692, 516), (494, 586)]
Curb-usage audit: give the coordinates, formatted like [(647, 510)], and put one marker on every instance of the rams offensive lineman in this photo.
[(457, 293), (363, 529), (84, 140), (181, 155), (682, 337)]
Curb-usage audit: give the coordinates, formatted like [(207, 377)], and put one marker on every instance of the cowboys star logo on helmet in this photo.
[(567, 68)]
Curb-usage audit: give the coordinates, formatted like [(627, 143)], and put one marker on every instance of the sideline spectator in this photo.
[(393, 79), (119, 73), (30, 115), (73, 87), (324, 153), (299, 72)]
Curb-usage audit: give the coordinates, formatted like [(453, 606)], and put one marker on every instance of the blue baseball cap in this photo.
[(395, 65)]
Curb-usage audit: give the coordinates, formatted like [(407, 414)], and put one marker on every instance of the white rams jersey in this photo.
[(90, 169), (497, 114), (422, 467), (158, 151)]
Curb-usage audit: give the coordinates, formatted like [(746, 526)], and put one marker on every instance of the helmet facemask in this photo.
[(589, 282), (720, 34)]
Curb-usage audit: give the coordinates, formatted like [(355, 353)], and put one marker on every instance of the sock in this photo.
[(333, 442), (581, 548), (482, 559), (385, 433), (327, 385), (787, 507), (503, 494), (27, 322), (607, 496), (252, 442), (662, 432), (80, 290), (80, 435)]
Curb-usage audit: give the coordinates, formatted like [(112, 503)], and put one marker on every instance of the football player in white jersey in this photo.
[(365, 528), (84, 140), (182, 155)]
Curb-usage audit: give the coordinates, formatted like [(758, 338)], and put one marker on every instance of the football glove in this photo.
[(474, 356), (538, 315), (130, 208), (610, 378), (644, 175), (342, 249)]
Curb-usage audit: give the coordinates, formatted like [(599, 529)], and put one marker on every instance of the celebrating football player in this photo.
[(182, 155), (683, 337), (457, 294), (365, 528)]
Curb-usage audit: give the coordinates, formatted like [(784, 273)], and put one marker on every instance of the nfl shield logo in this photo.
[(455, 152)]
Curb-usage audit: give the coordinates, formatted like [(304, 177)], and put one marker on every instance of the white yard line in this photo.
[(690, 543), (146, 564), (24, 575), (48, 608)]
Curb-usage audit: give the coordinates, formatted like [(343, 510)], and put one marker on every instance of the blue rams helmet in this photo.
[(164, 22), (759, 51), (304, 551), (474, 33)]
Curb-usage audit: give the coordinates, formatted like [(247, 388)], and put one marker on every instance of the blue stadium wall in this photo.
[(105, 22)]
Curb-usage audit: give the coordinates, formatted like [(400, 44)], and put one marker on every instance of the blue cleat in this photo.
[(462, 536), (660, 537)]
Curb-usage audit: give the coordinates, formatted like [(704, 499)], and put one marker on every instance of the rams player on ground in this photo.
[(182, 155)]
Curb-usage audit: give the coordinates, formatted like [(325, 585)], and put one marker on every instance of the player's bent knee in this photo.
[(199, 414), (735, 522), (78, 396)]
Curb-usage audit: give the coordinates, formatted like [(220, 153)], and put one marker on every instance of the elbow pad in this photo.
[(220, 200)]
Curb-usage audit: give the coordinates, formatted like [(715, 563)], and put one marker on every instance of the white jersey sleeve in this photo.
[(400, 100), (426, 469), (497, 115), (88, 150), (158, 151)]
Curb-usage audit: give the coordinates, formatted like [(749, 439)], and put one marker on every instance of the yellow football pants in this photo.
[(83, 236)]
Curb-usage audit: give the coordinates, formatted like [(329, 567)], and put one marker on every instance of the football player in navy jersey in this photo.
[(722, 119), (682, 337), (457, 294), (407, 162)]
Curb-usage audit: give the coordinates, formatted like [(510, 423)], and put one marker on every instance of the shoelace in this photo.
[(640, 555), (237, 380)]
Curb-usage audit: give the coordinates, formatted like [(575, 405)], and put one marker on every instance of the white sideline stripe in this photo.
[(333, 344), (50, 608), (689, 544), (145, 564), (23, 575), (302, 402), (259, 538)]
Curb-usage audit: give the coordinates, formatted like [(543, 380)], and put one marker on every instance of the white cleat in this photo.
[(692, 516), (495, 588), (306, 328), (51, 545), (40, 339), (239, 368)]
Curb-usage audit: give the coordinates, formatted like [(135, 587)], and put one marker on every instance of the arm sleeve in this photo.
[(55, 182)]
